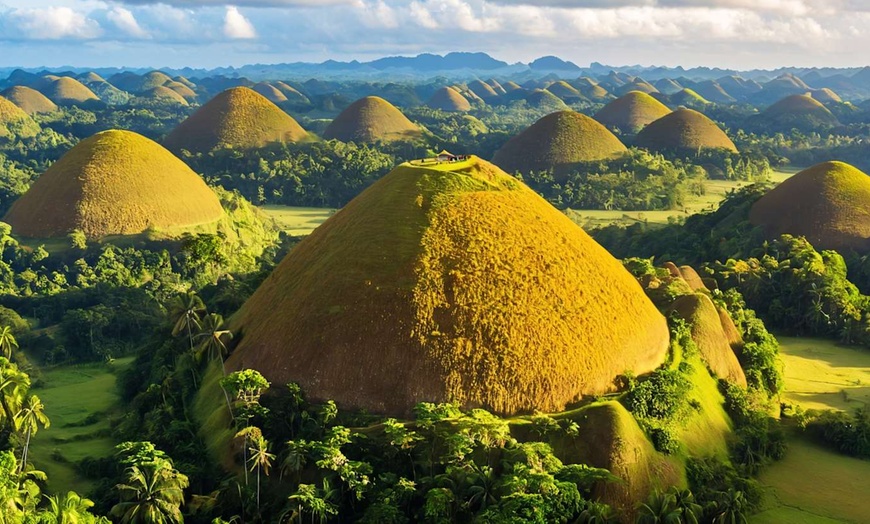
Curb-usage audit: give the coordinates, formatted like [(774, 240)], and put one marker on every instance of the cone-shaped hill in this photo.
[(238, 118), (826, 95), (828, 203), (372, 119), (683, 130), (449, 282), (272, 93), (30, 100), (558, 142), (164, 95), (800, 112), (15, 122), (114, 183), (631, 112), (66, 91), (448, 99)]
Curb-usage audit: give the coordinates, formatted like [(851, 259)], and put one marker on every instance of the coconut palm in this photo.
[(186, 311), (214, 338), (151, 494), (7, 342), (29, 418), (72, 508), (730, 508), (261, 460), (660, 508), (13, 386)]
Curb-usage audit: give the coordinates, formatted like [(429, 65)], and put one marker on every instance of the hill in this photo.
[(828, 203), (668, 86), (449, 282), (826, 95), (14, 122), (66, 91), (545, 101), (292, 94), (559, 142), (238, 118), (684, 130), (565, 91), (800, 112), (372, 119), (714, 92), (483, 90), (688, 98), (448, 99), (165, 95), (631, 112), (272, 93), (638, 84), (30, 100), (182, 89), (114, 183)]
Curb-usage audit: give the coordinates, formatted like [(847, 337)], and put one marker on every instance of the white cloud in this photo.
[(126, 22), (236, 26), (50, 23)]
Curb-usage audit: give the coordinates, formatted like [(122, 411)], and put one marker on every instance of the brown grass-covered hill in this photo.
[(14, 122), (558, 142), (688, 98), (182, 89), (800, 112), (714, 92), (483, 90), (668, 86), (710, 337), (511, 86), (545, 100), (828, 203), (565, 91), (114, 183), (631, 112), (30, 100), (683, 130), (137, 84), (272, 93), (238, 118), (496, 86), (638, 84), (372, 119), (449, 283), (826, 95), (448, 99), (66, 91), (293, 95), (165, 95)]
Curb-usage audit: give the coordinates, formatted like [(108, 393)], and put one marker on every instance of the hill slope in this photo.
[(371, 119), (800, 112), (448, 99), (449, 283), (15, 122), (66, 91), (30, 100), (631, 112), (684, 130)]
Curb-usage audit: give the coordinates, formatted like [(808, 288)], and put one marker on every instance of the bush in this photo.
[(844, 432)]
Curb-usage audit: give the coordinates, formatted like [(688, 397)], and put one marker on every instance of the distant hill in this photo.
[(552, 63), (683, 131), (800, 112), (66, 91), (372, 119), (14, 122), (30, 100), (430, 62), (448, 99), (631, 112)]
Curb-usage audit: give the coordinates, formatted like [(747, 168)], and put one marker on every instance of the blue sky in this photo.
[(740, 34)]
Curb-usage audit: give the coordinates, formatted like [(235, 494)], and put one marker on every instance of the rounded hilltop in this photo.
[(828, 203), (449, 99), (372, 119), (164, 95), (683, 130), (238, 118), (801, 112), (114, 183), (30, 100), (559, 142), (14, 122), (631, 112), (66, 91), (449, 282)]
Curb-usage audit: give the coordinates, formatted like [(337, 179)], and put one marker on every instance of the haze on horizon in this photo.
[(738, 34)]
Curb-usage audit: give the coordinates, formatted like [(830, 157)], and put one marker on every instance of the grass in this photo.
[(298, 221), (684, 130), (372, 119), (631, 112), (30, 100), (72, 395)]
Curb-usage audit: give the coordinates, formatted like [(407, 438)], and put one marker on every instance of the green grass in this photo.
[(71, 394), (822, 375), (298, 221)]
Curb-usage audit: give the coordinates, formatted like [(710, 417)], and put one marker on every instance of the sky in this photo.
[(739, 34)]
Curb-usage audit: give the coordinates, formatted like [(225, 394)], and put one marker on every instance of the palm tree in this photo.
[(730, 508), (13, 385), (7, 342), (186, 312), (214, 337), (684, 499), (152, 494), (71, 509), (316, 502), (28, 420), (660, 508), (260, 459)]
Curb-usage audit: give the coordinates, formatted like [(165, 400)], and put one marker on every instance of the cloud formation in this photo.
[(236, 26)]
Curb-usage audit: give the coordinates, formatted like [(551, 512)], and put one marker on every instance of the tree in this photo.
[(72, 508), (7, 341), (152, 493), (660, 508), (261, 460), (13, 386), (214, 338), (731, 507), (186, 311), (313, 501), (28, 420)]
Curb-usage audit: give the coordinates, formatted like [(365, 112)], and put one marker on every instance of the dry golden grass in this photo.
[(372, 119), (114, 183), (291, 93), (631, 112), (165, 95), (449, 283), (30, 100), (15, 122), (238, 118), (684, 130), (543, 99), (825, 95), (559, 142), (182, 89), (482, 89), (707, 332), (272, 93), (65, 91), (799, 112), (448, 99), (828, 203), (564, 90)]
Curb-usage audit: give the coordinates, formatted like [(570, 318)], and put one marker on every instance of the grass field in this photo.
[(813, 485), (78, 401), (298, 221)]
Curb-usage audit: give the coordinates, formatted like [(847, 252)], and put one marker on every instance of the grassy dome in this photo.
[(797, 112), (828, 203), (164, 94), (371, 119), (66, 91), (184, 90), (559, 141), (272, 93), (668, 86), (91, 78), (631, 112), (714, 92), (449, 283), (482, 89), (496, 86), (826, 95), (30, 100), (684, 130), (14, 122), (291, 93), (688, 98), (238, 118), (114, 183), (510, 86), (448, 99), (545, 100), (564, 90), (637, 85)]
